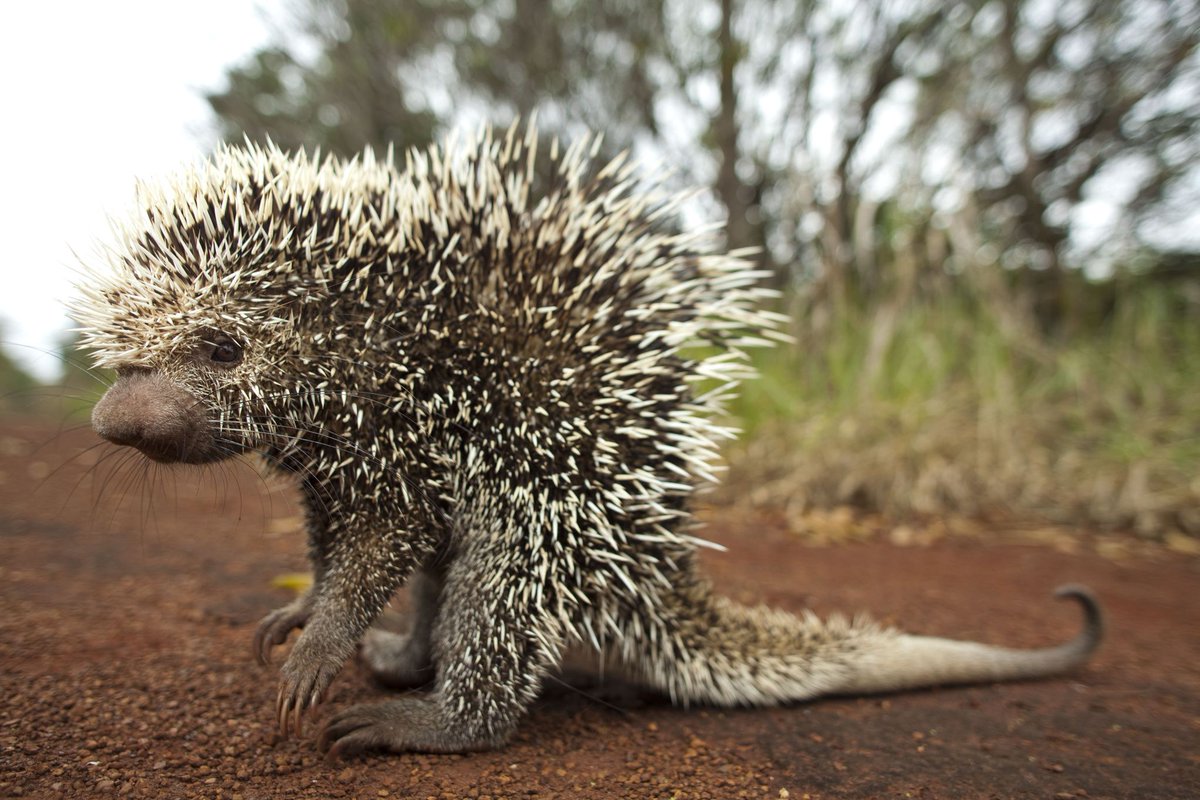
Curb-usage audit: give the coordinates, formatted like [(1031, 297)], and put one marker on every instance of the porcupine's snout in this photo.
[(147, 411)]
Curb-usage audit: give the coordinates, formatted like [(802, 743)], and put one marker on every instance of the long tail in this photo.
[(906, 662), (732, 655)]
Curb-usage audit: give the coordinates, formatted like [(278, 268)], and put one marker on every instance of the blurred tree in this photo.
[(359, 73), (378, 72), (1046, 105), (628, 68), (16, 385), (78, 374), (837, 136)]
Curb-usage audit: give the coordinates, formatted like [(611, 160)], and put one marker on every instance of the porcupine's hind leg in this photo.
[(405, 660), (492, 648)]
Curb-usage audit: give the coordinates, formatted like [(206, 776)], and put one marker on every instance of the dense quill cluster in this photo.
[(507, 400)]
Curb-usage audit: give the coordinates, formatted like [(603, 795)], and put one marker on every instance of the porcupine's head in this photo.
[(209, 312)]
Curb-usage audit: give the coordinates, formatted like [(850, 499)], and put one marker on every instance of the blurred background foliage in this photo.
[(18, 389), (974, 211)]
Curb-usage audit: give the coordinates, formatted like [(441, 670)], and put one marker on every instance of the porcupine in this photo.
[(492, 396)]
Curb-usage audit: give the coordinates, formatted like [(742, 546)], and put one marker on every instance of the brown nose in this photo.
[(147, 411)]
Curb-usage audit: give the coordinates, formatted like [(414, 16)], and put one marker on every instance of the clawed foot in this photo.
[(300, 694), (274, 628), (408, 724), (360, 729), (306, 676)]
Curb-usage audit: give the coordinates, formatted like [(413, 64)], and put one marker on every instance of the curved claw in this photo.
[(274, 628), (355, 730), (300, 694), (408, 724), (283, 711), (353, 743)]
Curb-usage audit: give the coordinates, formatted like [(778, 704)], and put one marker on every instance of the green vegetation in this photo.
[(963, 415), (69, 398), (17, 387)]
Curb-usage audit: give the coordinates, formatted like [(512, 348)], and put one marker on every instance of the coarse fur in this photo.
[(502, 399)]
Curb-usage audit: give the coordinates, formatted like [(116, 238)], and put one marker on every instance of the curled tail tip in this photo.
[(1093, 629), (1075, 590)]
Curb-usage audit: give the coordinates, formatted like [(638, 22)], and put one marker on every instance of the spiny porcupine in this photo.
[(489, 394)]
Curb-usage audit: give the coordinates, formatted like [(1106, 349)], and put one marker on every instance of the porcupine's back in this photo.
[(454, 251), (568, 316), (587, 272)]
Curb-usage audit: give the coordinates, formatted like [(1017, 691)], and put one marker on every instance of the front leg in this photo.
[(492, 647), (366, 561)]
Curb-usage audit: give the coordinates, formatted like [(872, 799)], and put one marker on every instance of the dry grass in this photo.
[(960, 418)]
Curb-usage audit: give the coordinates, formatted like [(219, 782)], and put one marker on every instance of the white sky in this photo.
[(92, 96)]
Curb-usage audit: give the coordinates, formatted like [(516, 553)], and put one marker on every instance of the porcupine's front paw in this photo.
[(397, 660), (409, 724), (274, 628), (310, 668)]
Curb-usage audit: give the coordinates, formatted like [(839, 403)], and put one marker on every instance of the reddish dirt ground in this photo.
[(128, 600)]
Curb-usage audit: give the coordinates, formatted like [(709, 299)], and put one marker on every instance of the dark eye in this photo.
[(225, 351)]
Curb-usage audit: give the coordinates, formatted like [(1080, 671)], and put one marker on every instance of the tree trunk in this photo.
[(734, 193)]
